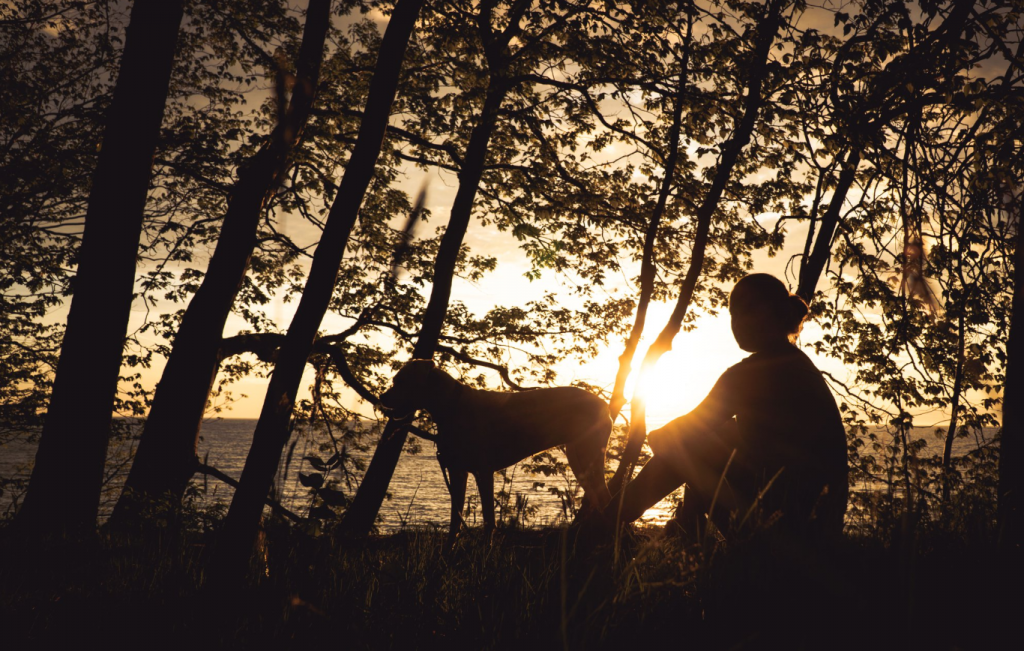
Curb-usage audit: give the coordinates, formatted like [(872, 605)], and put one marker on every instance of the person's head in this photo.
[(764, 313)]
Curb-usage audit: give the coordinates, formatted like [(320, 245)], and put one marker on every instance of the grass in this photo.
[(525, 589)]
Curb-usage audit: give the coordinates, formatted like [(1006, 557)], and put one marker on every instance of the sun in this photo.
[(684, 375)]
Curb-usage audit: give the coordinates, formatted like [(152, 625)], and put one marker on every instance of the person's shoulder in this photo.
[(734, 375), (802, 357), (744, 364), (771, 359), (776, 352), (748, 367)]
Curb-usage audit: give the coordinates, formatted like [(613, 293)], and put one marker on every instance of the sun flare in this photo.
[(684, 375)]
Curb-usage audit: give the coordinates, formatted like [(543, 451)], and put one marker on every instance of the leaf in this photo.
[(332, 497), (322, 512), (315, 480), (317, 463)]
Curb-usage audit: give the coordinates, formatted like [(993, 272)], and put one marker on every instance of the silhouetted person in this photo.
[(775, 410)]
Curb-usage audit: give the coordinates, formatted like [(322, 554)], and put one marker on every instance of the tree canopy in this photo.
[(621, 153)]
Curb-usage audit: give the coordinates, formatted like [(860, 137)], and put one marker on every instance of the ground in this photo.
[(522, 589)]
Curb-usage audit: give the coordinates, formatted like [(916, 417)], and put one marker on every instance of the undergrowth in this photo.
[(522, 589)]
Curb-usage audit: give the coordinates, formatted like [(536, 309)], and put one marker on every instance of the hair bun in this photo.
[(797, 309)]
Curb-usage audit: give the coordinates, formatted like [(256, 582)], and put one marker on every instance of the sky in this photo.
[(681, 379)]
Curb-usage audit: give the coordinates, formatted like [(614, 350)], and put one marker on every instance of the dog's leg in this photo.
[(485, 484), (587, 462), (458, 479)]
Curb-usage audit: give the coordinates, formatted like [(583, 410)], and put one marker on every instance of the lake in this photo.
[(418, 492)]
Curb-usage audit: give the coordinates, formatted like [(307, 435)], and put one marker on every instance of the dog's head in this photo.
[(407, 388)]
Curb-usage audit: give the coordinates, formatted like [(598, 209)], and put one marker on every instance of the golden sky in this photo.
[(682, 378)]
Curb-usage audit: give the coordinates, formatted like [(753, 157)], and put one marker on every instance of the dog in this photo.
[(480, 432)]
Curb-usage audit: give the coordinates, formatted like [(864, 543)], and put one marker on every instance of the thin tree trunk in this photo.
[(648, 268), (64, 490), (166, 456), (241, 525), (362, 512), (958, 378), (1011, 450), (766, 32), (812, 266)]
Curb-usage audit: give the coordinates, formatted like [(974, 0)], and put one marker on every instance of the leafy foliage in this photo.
[(915, 297)]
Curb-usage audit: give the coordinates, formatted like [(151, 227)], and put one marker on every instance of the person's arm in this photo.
[(719, 406)]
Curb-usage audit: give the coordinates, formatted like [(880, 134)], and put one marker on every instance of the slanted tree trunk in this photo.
[(958, 380), (241, 525), (64, 490), (166, 456), (879, 101), (648, 268), (813, 265), (766, 31), (362, 512)]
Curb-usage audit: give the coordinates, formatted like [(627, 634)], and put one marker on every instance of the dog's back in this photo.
[(496, 430)]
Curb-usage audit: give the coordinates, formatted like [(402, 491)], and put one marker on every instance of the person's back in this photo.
[(789, 429)]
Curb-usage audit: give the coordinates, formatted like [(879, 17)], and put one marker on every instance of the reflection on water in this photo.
[(417, 493)]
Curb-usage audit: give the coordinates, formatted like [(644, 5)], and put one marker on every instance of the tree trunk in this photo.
[(64, 490), (958, 380), (241, 525), (812, 266), (766, 31), (166, 456), (362, 512), (1011, 450), (648, 269), (894, 74)]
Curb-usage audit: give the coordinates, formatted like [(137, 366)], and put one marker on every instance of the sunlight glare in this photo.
[(684, 375)]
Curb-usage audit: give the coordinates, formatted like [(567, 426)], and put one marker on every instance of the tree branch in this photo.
[(404, 134), (463, 357), (274, 505)]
